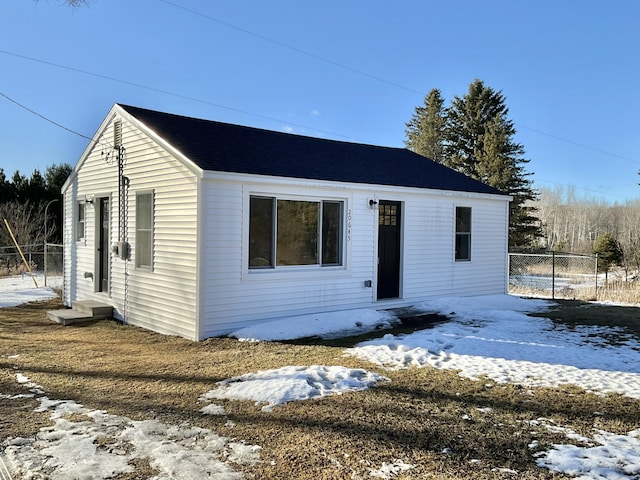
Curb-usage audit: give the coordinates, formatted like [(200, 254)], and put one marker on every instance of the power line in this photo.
[(290, 47), (588, 147), (360, 72), (266, 117), (580, 188), (174, 94), (45, 118)]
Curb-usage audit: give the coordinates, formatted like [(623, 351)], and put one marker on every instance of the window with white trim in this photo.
[(80, 221), (284, 232), (144, 230), (463, 234)]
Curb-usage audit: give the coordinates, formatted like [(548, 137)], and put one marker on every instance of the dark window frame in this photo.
[(463, 221), (328, 228)]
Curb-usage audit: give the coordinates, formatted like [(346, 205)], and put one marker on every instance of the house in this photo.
[(195, 228)]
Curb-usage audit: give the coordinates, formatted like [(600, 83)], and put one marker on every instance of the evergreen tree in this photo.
[(37, 190), (19, 187), (609, 252), (425, 131), (55, 176), (477, 140), (5, 187)]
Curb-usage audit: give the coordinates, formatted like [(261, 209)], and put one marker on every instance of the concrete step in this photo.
[(82, 311), (93, 308)]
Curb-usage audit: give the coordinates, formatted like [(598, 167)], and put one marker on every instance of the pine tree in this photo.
[(477, 140), (609, 252), (425, 131), (5, 187), (37, 190), (55, 176)]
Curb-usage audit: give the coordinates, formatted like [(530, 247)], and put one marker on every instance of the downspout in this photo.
[(199, 255)]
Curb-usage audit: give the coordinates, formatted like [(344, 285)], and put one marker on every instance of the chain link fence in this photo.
[(46, 261), (557, 275)]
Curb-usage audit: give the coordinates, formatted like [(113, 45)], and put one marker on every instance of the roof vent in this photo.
[(117, 134)]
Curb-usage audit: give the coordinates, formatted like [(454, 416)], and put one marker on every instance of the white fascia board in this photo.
[(164, 144), (367, 187), (117, 111), (89, 148)]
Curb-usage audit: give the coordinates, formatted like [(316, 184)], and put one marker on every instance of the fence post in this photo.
[(596, 294), (553, 275), (45, 263)]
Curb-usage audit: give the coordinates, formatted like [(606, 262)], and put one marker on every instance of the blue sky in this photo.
[(347, 70)]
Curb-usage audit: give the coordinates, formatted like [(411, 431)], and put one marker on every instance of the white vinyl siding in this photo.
[(234, 295), (163, 299), (201, 284)]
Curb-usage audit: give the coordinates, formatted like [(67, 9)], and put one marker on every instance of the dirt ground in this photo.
[(425, 417)]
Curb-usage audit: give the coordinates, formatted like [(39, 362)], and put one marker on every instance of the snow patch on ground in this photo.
[(324, 325), (389, 470), (493, 337), (605, 456), (487, 336), (98, 445), (271, 388)]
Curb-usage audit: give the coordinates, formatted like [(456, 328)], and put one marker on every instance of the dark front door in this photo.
[(103, 245), (389, 216)]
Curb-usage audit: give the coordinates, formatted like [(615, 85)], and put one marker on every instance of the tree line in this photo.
[(24, 200), (587, 225)]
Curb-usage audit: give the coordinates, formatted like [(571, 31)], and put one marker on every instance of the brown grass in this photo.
[(415, 417)]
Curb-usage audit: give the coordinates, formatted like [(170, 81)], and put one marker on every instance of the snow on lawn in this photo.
[(493, 336), (490, 336), (605, 456), (93, 444), (277, 387), (19, 289), (325, 325)]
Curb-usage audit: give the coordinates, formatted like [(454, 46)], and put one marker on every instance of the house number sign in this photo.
[(349, 225)]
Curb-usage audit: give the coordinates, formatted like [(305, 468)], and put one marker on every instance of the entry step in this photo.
[(82, 311)]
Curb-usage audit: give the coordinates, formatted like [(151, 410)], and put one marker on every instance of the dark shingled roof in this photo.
[(226, 147)]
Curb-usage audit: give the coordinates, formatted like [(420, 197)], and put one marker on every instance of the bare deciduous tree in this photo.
[(26, 221), (573, 224)]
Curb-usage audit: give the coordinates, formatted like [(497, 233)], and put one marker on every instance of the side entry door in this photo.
[(103, 250), (389, 223)]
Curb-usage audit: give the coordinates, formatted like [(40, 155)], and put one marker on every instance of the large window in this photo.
[(80, 221), (144, 230), (294, 232), (463, 234)]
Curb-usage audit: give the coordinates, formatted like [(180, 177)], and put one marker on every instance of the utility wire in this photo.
[(360, 72), (53, 122), (290, 47), (588, 147), (44, 118), (258, 115), (174, 94), (589, 190)]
